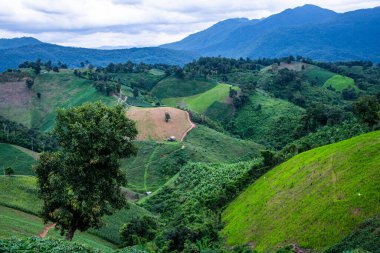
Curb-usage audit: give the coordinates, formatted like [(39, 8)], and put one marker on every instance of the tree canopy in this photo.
[(81, 182)]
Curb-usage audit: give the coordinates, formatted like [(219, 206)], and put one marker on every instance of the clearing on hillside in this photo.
[(151, 124), (201, 102), (16, 102), (340, 83), (314, 199)]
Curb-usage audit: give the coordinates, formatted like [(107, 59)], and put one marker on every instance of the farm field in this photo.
[(314, 199), (317, 74), (151, 125), (18, 158), (201, 102)]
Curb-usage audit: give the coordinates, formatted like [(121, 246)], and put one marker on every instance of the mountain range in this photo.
[(310, 31)]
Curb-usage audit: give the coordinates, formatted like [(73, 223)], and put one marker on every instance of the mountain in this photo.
[(315, 199), (213, 35), (16, 51), (18, 42), (309, 31)]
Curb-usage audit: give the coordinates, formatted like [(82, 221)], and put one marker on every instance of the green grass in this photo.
[(157, 162), (174, 87), (201, 102), (267, 120), (11, 156), (24, 187), (61, 90), (156, 72), (14, 223), (340, 83), (317, 74), (314, 199)]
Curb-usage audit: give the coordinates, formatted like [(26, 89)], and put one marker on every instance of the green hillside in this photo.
[(340, 83), (157, 162), (317, 74), (267, 120), (201, 102), (16, 158), (315, 199), (57, 90), (174, 87), (28, 205)]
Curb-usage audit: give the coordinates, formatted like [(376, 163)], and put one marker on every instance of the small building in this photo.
[(148, 193), (172, 138)]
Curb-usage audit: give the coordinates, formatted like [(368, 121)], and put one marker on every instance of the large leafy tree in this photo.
[(81, 182)]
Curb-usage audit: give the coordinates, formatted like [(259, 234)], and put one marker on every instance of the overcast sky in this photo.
[(136, 23)]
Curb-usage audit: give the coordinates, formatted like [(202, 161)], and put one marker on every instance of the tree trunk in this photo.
[(70, 233)]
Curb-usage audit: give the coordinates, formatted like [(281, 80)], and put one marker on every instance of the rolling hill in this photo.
[(309, 31), (314, 199)]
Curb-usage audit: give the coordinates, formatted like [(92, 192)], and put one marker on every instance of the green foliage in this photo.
[(14, 157), (267, 120), (34, 244), (367, 109), (9, 171), (317, 197), (317, 75), (139, 230), (189, 205), (365, 237), (174, 87), (80, 183)]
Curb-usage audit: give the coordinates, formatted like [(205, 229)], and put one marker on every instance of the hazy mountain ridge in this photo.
[(309, 30)]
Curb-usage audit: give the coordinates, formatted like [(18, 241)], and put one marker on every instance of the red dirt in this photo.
[(150, 123), (46, 230), (192, 125)]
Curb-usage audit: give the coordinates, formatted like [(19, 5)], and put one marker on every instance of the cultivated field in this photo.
[(151, 123)]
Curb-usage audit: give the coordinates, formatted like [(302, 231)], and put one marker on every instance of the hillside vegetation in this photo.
[(314, 200), (19, 159)]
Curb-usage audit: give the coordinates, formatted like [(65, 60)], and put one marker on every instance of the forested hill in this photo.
[(309, 30), (15, 51)]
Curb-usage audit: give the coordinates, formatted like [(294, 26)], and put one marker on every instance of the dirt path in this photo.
[(46, 230), (192, 125)]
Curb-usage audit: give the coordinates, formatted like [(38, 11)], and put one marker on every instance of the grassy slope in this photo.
[(59, 90), (202, 144), (340, 83), (315, 199), (21, 161), (14, 223), (200, 102), (314, 73), (269, 123), (24, 187), (174, 87)]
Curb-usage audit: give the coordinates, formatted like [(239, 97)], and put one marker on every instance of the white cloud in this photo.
[(95, 23)]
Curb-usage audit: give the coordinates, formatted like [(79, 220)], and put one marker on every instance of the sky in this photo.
[(136, 23)]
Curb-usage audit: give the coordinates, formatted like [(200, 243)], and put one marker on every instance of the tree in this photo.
[(139, 230), (167, 117), (367, 109), (9, 171), (81, 182), (135, 92), (29, 83), (38, 95)]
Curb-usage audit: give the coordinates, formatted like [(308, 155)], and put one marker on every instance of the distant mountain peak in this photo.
[(18, 42)]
